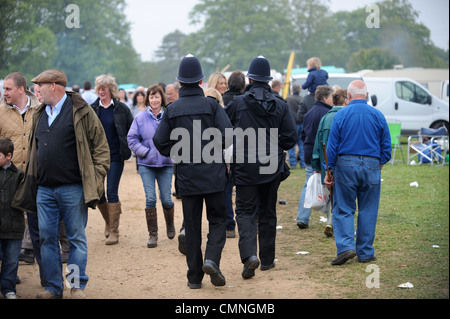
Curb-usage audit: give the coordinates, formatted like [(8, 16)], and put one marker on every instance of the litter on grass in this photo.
[(302, 253), (406, 285)]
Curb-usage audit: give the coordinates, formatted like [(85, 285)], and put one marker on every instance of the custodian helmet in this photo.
[(190, 70), (259, 70)]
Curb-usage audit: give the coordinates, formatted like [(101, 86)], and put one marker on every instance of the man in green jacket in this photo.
[(340, 100), (67, 162)]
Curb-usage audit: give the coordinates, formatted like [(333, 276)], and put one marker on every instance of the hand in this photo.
[(329, 181)]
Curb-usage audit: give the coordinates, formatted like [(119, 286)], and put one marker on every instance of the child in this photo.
[(316, 76), (12, 223)]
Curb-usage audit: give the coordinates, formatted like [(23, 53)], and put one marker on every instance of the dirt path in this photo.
[(130, 270)]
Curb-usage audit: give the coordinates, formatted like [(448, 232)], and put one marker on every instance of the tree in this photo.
[(374, 58), (236, 31), (37, 34)]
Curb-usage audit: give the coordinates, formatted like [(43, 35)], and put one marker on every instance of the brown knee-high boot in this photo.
[(170, 228), (114, 218), (152, 226), (103, 208)]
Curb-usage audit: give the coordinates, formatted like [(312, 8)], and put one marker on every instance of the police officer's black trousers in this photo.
[(256, 217), (216, 213)]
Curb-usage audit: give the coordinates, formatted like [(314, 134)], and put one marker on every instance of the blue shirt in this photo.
[(359, 129), (56, 109)]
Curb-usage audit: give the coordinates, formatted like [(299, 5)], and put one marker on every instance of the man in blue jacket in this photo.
[(184, 123), (257, 177), (358, 146)]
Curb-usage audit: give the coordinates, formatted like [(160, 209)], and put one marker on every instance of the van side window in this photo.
[(410, 92)]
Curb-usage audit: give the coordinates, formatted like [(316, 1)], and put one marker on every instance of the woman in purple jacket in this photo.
[(152, 165)]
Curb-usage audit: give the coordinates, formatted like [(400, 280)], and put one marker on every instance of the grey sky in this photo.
[(152, 20)]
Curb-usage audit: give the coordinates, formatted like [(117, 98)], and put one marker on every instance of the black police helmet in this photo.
[(190, 70), (259, 70)]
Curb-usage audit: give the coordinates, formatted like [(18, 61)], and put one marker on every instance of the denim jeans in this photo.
[(67, 203), (304, 213), (164, 177), (9, 252), (357, 178), (112, 183), (301, 153)]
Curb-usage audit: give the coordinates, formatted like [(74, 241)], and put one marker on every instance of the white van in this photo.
[(406, 101), (444, 90)]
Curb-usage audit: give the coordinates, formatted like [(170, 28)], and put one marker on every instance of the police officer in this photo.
[(257, 182), (197, 180)]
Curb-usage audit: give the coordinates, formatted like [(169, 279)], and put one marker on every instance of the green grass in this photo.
[(411, 220)]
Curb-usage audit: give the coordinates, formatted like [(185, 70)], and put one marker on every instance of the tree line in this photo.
[(35, 36)]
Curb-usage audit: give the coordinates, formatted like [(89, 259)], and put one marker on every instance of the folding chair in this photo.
[(395, 129), (430, 146)]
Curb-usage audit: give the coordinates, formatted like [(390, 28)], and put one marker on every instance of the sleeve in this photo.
[(309, 81), (161, 139), (288, 136), (134, 139), (386, 146), (333, 143)]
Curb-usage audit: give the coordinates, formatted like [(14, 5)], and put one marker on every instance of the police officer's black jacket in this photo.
[(257, 108), (194, 175)]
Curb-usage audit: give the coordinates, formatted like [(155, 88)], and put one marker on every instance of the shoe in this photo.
[(77, 294), (231, 234), (64, 257), (210, 268), (250, 265), (267, 267), (182, 242), (373, 258), (328, 231), (194, 286), (10, 295), (48, 295), (27, 255), (302, 225), (343, 257)]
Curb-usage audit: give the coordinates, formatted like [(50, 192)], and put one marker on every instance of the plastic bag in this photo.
[(317, 195)]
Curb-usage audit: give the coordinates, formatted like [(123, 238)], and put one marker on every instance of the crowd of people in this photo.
[(62, 152)]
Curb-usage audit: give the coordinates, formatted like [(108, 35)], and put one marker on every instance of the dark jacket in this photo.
[(293, 102), (194, 175), (305, 105), (314, 79), (257, 109), (12, 223), (122, 120), (229, 95), (310, 125), (92, 152)]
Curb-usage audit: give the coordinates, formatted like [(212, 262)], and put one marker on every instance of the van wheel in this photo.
[(439, 125)]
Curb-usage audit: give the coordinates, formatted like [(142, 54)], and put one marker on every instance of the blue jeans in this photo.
[(112, 183), (164, 177), (67, 203), (9, 251), (304, 213), (301, 153), (356, 178)]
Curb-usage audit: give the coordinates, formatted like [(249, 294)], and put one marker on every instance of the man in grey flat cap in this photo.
[(67, 162)]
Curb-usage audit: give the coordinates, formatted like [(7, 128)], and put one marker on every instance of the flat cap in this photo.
[(51, 76)]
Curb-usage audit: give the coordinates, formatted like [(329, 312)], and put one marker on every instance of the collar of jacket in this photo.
[(324, 104), (189, 90)]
